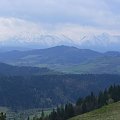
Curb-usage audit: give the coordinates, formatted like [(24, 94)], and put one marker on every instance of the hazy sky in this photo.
[(68, 17)]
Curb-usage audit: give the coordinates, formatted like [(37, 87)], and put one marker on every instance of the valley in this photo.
[(33, 80), (59, 59)]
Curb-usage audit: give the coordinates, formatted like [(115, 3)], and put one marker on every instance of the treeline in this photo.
[(83, 105)]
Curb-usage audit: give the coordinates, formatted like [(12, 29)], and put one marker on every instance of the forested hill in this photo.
[(87, 104), (50, 90), (9, 70)]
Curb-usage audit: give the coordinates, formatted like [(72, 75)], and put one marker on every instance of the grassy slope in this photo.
[(110, 65), (110, 112)]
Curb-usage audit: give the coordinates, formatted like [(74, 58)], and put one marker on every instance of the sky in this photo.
[(71, 18)]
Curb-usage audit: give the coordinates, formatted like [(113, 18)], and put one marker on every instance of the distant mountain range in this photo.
[(103, 42), (66, 59)]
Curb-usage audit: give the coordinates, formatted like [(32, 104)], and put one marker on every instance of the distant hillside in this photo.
[(54, 55), (10, 70), (106, 64), (66, 59), (109, 112)]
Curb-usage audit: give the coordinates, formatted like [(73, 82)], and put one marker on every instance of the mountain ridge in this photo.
[(66, 59), (100, 42), (54, 55)]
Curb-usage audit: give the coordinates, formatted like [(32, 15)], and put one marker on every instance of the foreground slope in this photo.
[(110, 112)]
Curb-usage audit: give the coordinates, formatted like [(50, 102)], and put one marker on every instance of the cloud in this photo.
[(14, 27), (91, 13), (28, 19), (53, 22)]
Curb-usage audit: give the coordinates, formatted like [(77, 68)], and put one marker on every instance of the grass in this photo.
[(110, 112)]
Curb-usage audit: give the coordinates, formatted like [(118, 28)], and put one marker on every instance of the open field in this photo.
[(110, 112)]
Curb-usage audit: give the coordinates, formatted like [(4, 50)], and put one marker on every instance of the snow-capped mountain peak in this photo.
[(101, 42)]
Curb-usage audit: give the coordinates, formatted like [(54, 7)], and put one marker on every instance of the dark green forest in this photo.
[(47, 91)]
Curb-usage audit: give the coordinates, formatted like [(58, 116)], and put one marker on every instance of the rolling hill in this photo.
[(109, 112), (105, 64), (54, 55), (66, 59)]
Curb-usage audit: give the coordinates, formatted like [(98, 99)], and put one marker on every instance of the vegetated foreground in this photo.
[(109, 112)]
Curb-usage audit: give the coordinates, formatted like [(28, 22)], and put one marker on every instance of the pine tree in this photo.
[(2, 116), (42, 115)]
